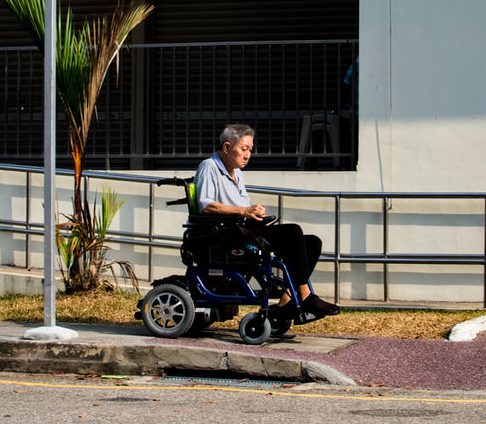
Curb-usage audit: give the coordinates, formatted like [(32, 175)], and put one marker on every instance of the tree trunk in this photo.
[(77, 271)]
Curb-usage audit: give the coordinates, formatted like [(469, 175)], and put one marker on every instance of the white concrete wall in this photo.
[(422, 127), (422, 106), (422, 96)]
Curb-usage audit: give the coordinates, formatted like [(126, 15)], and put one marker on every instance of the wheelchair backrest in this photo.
[(191, 194)]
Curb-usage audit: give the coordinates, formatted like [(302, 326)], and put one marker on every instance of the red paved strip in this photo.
[(423, 364)]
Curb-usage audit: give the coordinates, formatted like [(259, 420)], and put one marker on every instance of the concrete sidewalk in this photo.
[(364, 361), (103, 349)]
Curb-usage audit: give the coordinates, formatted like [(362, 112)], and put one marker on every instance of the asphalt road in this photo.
[(95, 399)]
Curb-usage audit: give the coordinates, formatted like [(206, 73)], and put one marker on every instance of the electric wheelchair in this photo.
[(228, 264)]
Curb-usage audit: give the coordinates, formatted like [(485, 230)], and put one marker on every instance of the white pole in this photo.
[(49, 163), (50, 331)]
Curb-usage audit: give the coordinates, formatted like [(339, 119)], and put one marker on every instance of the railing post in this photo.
[(280, 207), (337, 249), (151, 231), (386, 295), (28, 190)]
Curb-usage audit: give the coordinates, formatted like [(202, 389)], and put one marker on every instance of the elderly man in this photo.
[(221, 190)]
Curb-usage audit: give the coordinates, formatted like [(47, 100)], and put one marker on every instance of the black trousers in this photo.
[(300, 252)]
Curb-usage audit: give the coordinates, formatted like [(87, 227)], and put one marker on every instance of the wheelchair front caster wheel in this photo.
[(279, 324), (253, 331), (168, 311)]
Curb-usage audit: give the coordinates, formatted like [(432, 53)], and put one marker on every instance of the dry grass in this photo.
[(401, 324), (89, 307), (118, 308)]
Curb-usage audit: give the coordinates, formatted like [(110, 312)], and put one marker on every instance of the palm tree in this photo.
[(82, 61)]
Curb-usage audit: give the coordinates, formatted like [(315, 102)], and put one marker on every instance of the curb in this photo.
[(88, 358)]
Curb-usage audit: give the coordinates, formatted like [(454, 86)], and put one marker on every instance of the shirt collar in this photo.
[(220, 164)]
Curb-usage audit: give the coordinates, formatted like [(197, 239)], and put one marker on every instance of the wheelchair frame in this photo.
[(212, 291)]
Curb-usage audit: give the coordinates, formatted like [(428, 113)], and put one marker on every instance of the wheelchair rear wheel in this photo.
[(168, 311), (253, 330)]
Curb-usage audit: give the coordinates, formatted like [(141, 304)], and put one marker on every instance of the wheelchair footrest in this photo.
[(306, 318)]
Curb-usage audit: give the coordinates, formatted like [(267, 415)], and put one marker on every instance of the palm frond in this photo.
[(31, 14), (73, 67), (106, 36), (127, 268), (110, 206)]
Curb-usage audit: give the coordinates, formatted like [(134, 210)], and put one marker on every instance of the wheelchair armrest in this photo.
[(269, 220), (214, 220), (265, 222), (176, 202), (205, 220)]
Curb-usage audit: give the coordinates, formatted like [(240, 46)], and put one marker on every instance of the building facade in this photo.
[(420, 110), (190, 68)]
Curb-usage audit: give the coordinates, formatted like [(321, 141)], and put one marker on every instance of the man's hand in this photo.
[(256, 212)]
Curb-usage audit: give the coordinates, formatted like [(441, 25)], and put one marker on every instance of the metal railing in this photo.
[(169, 103), (152, 240)]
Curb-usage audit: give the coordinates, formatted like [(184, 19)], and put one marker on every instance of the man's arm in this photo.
[(256, 212)]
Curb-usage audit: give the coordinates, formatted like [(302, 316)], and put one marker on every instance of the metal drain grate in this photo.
[(127, 399), (230, 382), (405, 413)]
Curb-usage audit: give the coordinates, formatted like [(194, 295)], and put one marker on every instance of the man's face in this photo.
[(238, 155)]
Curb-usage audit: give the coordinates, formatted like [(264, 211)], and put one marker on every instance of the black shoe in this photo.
[(318, 307)]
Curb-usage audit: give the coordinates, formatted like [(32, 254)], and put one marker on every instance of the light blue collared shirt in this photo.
[(214, 184)]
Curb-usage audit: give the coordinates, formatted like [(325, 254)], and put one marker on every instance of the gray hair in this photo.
[(234, 133)]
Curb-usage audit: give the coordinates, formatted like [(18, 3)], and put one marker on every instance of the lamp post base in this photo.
[(50, 333)]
